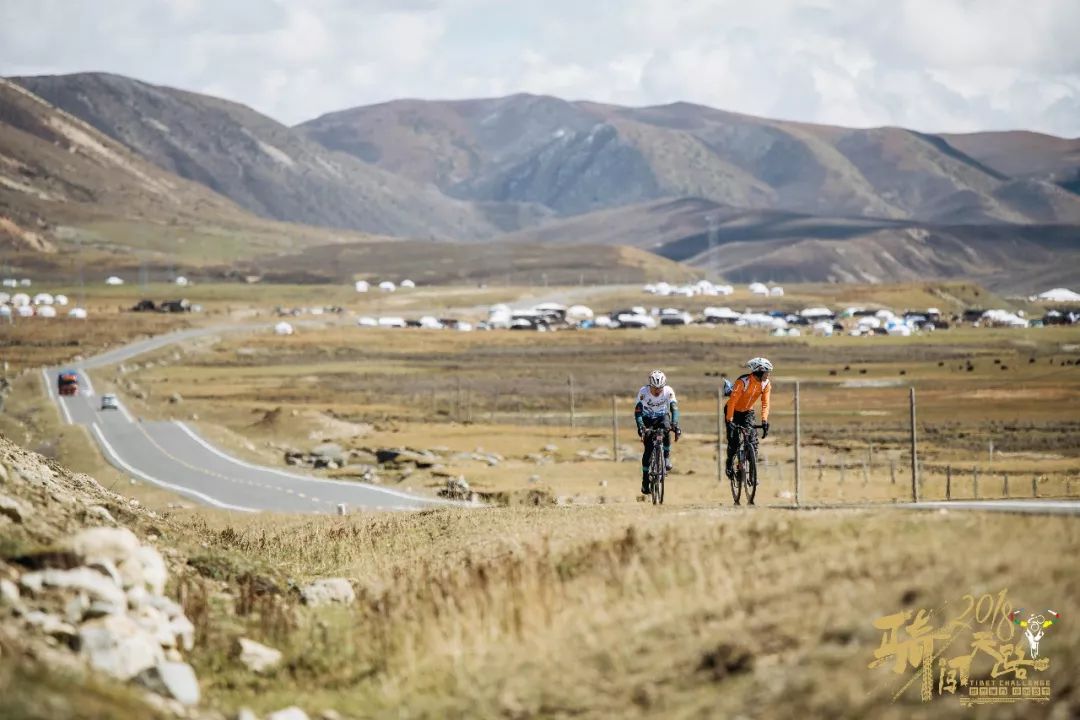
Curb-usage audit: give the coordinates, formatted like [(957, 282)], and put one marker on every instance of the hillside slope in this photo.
[(576, 157), (260, 164)]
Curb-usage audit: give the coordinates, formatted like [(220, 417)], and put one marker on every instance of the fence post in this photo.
[(991, 451), (892, 471), (720, 434), (1005, 484), (914, 453), (1034, 486), (614, 432), (798, 454), (570, 382), (948, 482), (457, 410), (975, 482), (820, 470), (843, 470)]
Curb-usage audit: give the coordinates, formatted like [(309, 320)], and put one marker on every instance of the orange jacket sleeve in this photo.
[(733, 400), (765, 402)]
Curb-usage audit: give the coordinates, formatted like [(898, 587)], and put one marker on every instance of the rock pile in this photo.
[(103, 596)]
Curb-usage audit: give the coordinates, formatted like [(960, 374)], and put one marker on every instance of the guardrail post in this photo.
[(720, 434), (798, 464), (914, 452), (614, 432)]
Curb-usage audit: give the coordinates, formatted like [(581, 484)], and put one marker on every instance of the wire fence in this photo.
[(796, 470)]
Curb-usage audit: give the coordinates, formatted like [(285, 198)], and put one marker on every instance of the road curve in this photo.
[(172, 455)]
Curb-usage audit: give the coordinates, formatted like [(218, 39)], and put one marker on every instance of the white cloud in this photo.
[(929, 64)]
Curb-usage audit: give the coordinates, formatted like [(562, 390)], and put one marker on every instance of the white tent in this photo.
[(10, 282), (44, 299), (77, 313), (430, 323), (1002, 318), (499, 319), (4, 297), (720, 314), (113, 280), (603, 321), (5, 311), (367, 321), (20, 299), (1060, 295), (24, 311), (46, 311), (61, 300), (674, 316), (408, 284), (464, 326), (283, 328), (25, 282), (884, 314), (869, 322), (777, 291), (387, 286), (392, 322), (578, 313), (724, 290), (816, 312), (761, 320), (634, 320), (182, 281), (362, 286), (758, 289)]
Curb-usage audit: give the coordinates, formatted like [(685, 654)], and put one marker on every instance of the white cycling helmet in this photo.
[(657, 378), (759, 364)]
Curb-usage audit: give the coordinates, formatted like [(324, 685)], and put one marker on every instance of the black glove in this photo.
[(764, 429), (678, 433), (640, 431)]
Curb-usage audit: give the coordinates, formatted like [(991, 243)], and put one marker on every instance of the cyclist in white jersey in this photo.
[(656, 407)]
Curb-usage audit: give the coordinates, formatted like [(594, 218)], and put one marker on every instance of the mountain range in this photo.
[(784, 200)]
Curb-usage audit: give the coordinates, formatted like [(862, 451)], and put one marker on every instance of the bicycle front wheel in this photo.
[(751, 476)]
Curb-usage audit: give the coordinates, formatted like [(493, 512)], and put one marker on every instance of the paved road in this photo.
[(174, 456)]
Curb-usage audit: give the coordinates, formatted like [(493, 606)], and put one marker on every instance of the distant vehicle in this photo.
[(109, 402), (68, 382)]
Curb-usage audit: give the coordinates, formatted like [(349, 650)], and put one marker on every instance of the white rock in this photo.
[(289, 713), (173, 680), (154, 571), (114, 544), (100, 513), (13, 509), (184, 630), (108, 569), (9, 593), (49, 624), (255, 656), (155, 623), (328, 590), (93, 583), (246, 714), (116, 645)]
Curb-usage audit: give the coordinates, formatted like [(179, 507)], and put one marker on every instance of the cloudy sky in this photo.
[(939, 65)]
